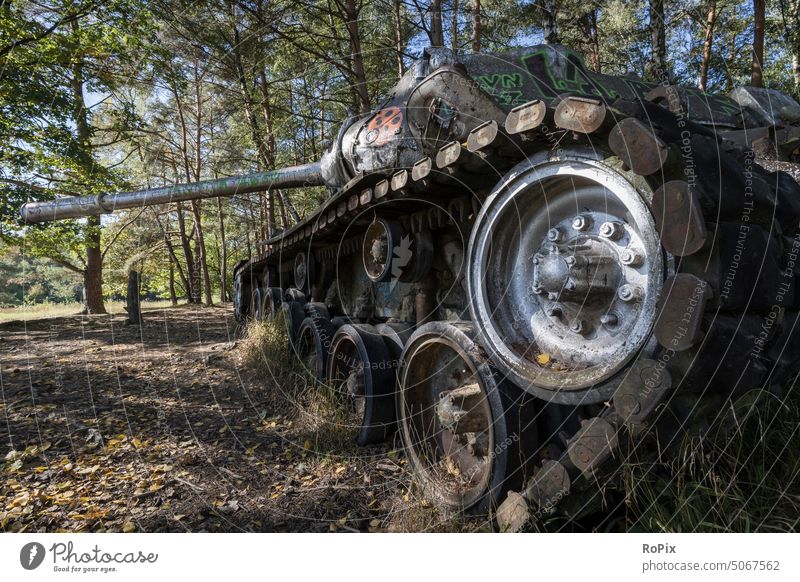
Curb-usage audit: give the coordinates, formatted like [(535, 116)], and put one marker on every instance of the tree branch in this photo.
[(119, 232)]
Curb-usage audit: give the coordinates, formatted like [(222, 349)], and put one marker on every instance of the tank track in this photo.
[(726, 319)]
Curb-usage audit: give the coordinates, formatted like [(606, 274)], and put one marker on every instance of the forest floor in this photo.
[(191, 423), (108, 427)]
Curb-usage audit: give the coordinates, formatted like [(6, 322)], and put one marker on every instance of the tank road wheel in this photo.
[(461, 426), (313, 343), (255, 311), (380, 241), (362, 370), (271, 303), (239, 299), (566, 270), (624, 280), (291, 317)]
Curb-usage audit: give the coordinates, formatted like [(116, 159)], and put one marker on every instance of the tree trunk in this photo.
[(173, 299), (796, 72), (200, 244), (200, 252), (398, 37), (436, 32), (731, 54), (593, 39), (192, 277), (266, 109), (658, 37), (287, 204), (550, 24), (223, 255), (360, 86), (707, 44), (93, 273), (759, 15), (132, 299), (248, 101), (790, 13), (476, 26), (454, 27), (173, 262)]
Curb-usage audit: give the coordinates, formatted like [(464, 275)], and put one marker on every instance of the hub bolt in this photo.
[(628, 292), (631, 258), (537, 288), (570, 285), (555, 235), (579, 326), (570, 261), (609, 319), (611, 230), (582, 222)]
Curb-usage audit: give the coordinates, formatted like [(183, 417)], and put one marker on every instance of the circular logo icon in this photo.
[(31, 555)]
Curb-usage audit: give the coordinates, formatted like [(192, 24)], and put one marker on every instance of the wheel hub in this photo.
[(565, 271), (581, 271)]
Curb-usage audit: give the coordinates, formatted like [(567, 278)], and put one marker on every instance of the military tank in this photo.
[(520, 262)]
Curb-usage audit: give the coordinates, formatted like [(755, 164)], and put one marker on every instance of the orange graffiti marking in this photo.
[(384, 125)]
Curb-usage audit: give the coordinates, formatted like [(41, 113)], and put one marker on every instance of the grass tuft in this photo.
[(740, 476)]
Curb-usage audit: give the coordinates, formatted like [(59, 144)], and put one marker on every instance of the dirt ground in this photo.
[(108, 427)]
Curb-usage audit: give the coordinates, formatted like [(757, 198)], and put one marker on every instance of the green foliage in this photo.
[(27, 280), (52, 57), (181, 91)]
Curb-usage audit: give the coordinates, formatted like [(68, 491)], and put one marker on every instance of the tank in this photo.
[(522, 265)]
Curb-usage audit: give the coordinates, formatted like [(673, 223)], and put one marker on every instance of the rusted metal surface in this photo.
[(380, 241), (399, 180), (580, 114), (638, 146), (526, 117), (679, 218), (381, 189), (421, 169), (482, 136), (424, 300), (548, 485), (641, 389), (460, 410), (448, 154), (564, 299), (680, 311), (592, 444)]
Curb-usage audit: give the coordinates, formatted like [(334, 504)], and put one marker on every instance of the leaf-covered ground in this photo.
[(107, 427)]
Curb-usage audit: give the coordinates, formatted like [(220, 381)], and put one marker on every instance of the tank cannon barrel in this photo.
[(77, 206)]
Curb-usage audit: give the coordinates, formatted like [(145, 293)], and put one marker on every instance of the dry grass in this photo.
[(318, 414), (743, 475), (49, 310), (326, 428)]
